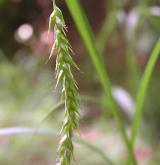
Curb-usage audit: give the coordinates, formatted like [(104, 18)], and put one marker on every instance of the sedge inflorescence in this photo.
[(64, 63)]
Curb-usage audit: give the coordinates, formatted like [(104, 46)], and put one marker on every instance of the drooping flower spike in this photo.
[(64, 62)]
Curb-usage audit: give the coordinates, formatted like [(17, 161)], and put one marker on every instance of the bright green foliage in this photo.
[(64, 62)]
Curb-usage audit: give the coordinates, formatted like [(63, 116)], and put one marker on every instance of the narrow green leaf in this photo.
[(143, 89), (107, 28), (87, 36)]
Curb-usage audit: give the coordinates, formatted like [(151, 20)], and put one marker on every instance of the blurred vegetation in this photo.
[(125, 33)]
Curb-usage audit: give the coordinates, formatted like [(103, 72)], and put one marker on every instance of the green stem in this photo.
[(131, 67), (106, 30), (87, 36), (143, 89), (54, 3)]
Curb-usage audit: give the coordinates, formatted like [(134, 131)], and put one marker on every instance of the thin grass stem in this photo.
[(87, 36), (143, 90)]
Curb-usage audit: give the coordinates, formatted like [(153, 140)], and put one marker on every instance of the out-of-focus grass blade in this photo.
[(143, 89), (87, 36), (12, 131), (106, 30), (94, 148)]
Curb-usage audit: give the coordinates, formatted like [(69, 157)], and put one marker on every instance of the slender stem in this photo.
[(87, 36), (143, 89), (132, 67), (54, 3), (106, 30)]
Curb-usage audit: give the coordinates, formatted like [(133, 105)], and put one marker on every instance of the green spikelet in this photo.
[(64, 63)]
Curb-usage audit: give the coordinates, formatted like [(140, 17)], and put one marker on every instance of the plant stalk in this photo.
[(87, 36), (143, 90)]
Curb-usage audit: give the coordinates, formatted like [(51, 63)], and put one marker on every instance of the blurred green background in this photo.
[(125, 33)]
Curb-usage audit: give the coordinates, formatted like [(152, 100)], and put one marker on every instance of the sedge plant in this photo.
[(64, 63)]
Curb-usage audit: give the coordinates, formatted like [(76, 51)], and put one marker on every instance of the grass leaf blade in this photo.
[(87, 36), (143, 89)]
